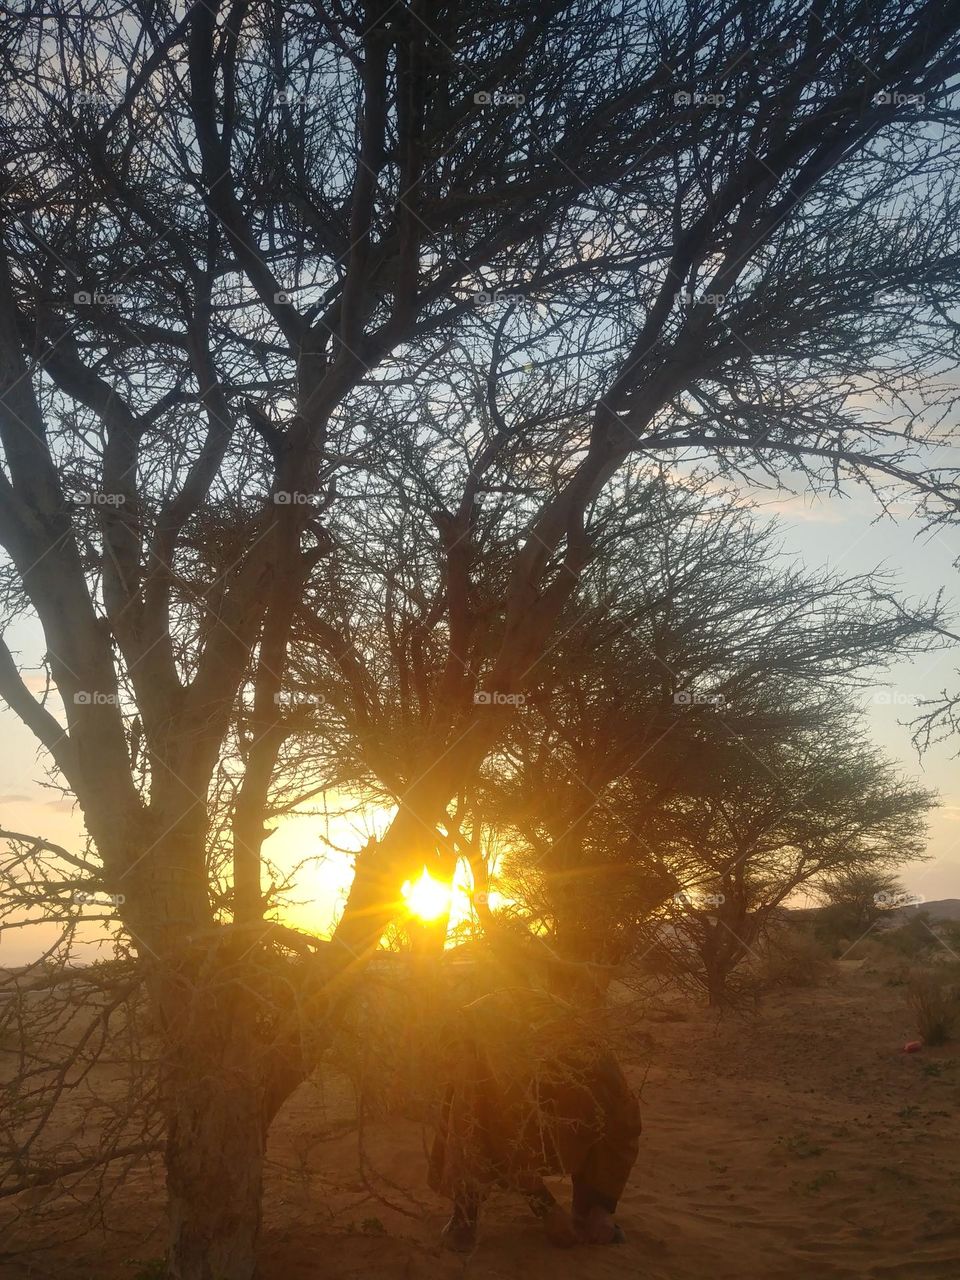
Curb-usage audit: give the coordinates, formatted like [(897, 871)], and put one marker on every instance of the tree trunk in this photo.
[(224, 1050), (214, 1160), (408, 846), (716, 986), (716, 965), (410, 843)]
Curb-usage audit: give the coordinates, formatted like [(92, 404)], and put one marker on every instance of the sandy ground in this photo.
[(794, 1141)]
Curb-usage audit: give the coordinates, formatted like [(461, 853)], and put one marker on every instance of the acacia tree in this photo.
[(686, 625), (239, 243), (675, 659), (218, 227), (853, 900), (770, 816)]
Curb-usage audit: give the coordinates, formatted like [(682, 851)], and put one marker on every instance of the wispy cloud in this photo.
[(800, 507)]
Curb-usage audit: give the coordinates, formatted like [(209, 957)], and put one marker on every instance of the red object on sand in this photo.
[(913, 1046)]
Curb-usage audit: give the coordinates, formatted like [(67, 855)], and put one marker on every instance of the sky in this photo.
[(840, 533), (844, 534)]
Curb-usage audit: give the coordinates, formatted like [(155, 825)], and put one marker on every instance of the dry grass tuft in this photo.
[(933, 995)]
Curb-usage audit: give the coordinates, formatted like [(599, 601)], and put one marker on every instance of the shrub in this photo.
[(933, 996), (914, 938), (792, 957)]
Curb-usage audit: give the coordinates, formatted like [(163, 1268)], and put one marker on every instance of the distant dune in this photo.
[(943, 909)]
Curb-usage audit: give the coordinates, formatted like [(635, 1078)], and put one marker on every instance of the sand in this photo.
[(797, 1140)]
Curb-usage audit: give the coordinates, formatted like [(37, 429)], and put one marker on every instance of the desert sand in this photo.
[(796, 1139)]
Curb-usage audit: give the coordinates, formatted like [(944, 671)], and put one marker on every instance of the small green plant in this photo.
[(936, 1069), (816, 1185), (366, 1227), (800, 1146), (153, 1269)]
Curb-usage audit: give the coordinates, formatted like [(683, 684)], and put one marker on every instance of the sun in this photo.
[(426, 897)]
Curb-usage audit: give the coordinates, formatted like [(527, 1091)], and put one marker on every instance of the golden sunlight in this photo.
[(426, 897)]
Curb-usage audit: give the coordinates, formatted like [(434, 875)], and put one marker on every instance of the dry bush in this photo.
[(792, 957), (914, 940), (933, 996), (399, 1040), (78, 1101), (871, 950), (480, 1031)]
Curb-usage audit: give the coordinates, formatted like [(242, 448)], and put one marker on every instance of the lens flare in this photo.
[(426, 897)]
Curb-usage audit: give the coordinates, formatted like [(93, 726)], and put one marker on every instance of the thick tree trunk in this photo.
[(224, 1058), (214, 1160), (716, 964), (232, 1031)]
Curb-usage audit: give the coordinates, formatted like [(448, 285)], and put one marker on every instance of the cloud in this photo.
[(799, 507), (15, 799)]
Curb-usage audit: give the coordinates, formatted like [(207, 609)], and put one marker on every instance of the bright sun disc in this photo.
[(426, 897)]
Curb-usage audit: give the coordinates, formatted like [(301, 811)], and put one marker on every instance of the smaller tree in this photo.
[(854, 898), (682, 658), (769, 817)]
